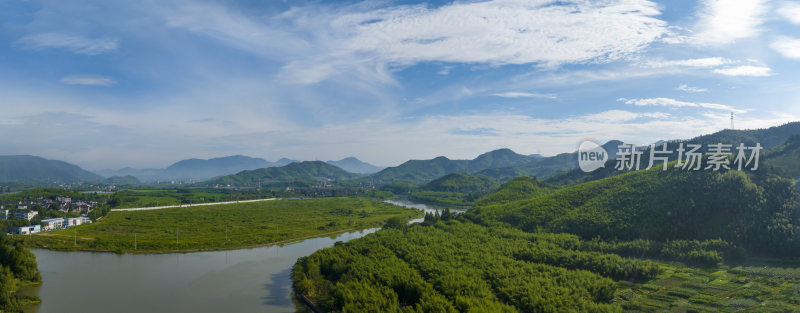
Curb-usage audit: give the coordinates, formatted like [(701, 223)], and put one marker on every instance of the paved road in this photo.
[(191, 205)]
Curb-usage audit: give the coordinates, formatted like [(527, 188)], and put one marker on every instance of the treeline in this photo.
[(757, 213), (17, 267), (458, 266)]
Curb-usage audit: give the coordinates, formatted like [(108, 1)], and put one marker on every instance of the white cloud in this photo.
[(700, 63), (745, 70), (518, 94), (725, 21), (90, 80), (621, 116), (791, 12), (677, 103), (688, 88), (788, 47), (75, 44), (370, 43)]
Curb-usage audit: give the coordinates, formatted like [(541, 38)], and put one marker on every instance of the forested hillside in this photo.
[(456, 189), (648, 240), (308, 170), (666, 205), (34, 169), (17, 267)]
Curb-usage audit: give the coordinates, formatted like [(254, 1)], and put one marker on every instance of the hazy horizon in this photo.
[(143, 84)]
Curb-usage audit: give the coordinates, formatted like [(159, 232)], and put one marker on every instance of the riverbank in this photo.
[(221, 226)]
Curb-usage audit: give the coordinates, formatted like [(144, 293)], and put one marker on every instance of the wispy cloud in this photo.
[(519, 94), (745, 70), (788, 47), (677, 103), (621, 116), (75, 44), (725, 21), (699, 63), (89, 80), (688, 88), (791, 12), (499, 32)]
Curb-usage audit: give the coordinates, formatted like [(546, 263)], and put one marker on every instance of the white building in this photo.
[(24, 230), (75, 221), (52, 223), (27, 215)]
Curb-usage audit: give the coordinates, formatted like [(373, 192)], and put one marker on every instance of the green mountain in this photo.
[(427, 170), (34, 169), (460, 182), (354, 165), (544, 167), (768, 138), (517, 189), (662, 205), (122, 180), (784, 160), (308, 170)]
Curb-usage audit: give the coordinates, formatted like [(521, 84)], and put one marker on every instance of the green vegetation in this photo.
[(17, 268), (454, 266), (455, 189), (784, 160), (221, 226), (122, 180), (648, 240), (420, 171), (517, 189), (673, 204), (304, 171)]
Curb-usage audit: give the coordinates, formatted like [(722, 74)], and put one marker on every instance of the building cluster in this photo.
[(50, 224), (62, 203)]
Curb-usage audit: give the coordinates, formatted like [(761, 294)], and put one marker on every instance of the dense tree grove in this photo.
[(531, 248), (461, 266), (17, 265), (752, 212)]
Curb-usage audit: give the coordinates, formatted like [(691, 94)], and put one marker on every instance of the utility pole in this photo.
[(134, 241), (731, 120)]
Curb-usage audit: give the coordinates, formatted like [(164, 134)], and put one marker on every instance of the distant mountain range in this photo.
[(197, 169), (502, 165), (357, 166), (769, 138), (426, 170), (34, 169)]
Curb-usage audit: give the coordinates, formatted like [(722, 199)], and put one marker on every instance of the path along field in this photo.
[(221, 226)]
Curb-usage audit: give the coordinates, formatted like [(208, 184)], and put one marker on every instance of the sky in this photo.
[(110, 84)]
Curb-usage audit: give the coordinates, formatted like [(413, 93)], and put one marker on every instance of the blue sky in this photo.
[(146, 83)]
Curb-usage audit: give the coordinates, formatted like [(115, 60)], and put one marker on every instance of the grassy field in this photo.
[(221, 226), (718, 289)]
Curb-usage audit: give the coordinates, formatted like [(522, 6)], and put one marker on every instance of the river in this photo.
[(244, 280)]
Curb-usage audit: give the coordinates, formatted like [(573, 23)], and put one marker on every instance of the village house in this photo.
[(52, 223), (27, 214), (24, 230), (3, 215)]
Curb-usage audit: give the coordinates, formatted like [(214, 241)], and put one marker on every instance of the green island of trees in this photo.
[(224, 226)]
